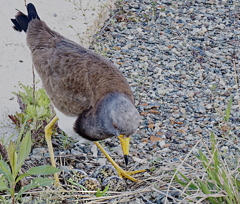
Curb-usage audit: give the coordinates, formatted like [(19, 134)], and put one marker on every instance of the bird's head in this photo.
[(124, 116), (119, 115), (123, 120), (115, 115)]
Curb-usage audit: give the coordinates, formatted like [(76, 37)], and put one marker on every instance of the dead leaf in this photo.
[(226, 128), (155, 139), (179, 123), (145, 140), (144, 104), (144, 113), (153, 111), (117, 48), (151, 126), (181, 130)]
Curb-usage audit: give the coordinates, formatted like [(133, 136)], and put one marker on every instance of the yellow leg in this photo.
[(48, 135), (121, 172)]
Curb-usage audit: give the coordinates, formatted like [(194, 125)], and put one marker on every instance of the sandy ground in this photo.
[(68, 17)]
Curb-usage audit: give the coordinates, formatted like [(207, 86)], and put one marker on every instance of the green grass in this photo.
[(219, 181), (17, 153)]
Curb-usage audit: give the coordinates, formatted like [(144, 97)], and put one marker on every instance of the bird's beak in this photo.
[(125, 141)]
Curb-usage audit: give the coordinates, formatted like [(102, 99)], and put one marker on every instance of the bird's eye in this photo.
[(114, 126)]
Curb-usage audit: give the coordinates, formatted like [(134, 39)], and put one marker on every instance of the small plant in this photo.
[(35, 112), (76, 184), (102, 193), (220, 185), (213, 87), (17, 154), (228, 110)]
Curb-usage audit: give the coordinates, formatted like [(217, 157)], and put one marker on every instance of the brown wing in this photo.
[(74, 77)]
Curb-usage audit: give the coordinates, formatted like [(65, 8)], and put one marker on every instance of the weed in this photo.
[(102, 193), (228, 110), (220, 183), (35, 112), (17, 154), (76, 184)]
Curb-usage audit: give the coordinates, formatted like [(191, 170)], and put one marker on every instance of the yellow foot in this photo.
[(48, 135), (127, 174), (57, 182), (121, 172)]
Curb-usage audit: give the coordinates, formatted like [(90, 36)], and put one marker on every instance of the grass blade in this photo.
[(3, 186), (228, 110), (43, 170), (24, 149), (12, 156), (35, 183)]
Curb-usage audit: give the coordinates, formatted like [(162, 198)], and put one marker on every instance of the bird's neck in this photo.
[(99, 122)]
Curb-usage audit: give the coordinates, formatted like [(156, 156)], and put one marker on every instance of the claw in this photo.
[(121, 172)]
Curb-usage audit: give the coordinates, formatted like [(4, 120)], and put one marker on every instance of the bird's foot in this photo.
[(57, 183), (127, 174), (121, 172)]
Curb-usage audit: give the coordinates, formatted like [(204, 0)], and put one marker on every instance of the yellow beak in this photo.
[(125, 142)]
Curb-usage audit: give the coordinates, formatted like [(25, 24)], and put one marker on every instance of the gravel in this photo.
[(181, 59)]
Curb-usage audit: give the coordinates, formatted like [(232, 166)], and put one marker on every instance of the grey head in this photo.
[(114, 115)]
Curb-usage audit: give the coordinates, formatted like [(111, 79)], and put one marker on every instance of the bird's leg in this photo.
[(48, 135), (121, 172)]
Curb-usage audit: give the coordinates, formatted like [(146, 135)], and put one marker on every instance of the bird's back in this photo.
[(74, 77)]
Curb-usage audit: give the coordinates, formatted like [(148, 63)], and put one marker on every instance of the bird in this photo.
[(91, 97)]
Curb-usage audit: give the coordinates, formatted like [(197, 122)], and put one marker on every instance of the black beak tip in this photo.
[(126, 159)]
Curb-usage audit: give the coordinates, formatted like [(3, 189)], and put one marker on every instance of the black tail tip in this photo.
[(32, 12), (16, 26), (21, 20)]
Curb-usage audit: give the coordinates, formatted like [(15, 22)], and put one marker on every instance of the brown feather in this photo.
[(74, 77)]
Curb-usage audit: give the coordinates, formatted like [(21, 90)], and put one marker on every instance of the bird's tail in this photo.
[(21, 20)]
